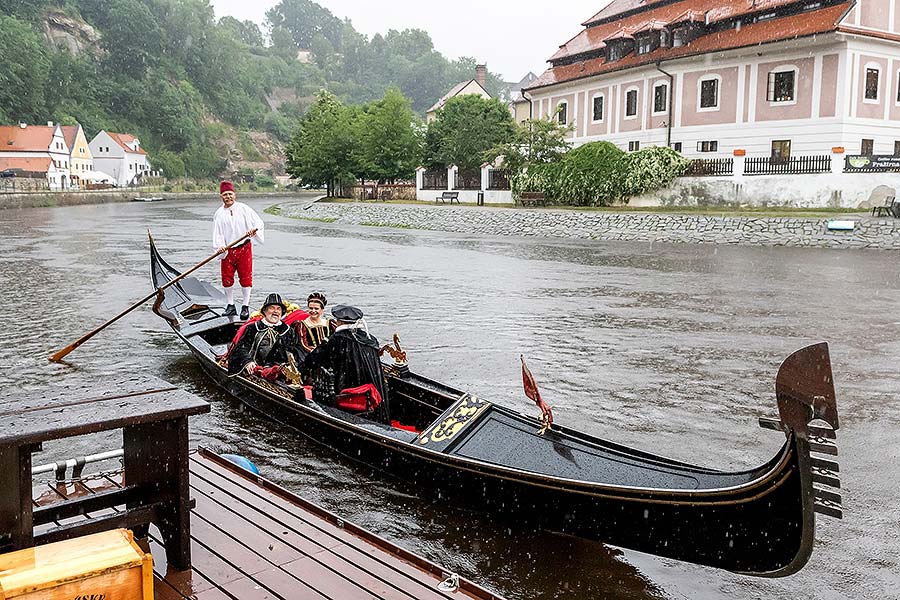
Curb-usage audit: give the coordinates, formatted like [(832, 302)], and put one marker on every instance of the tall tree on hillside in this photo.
[(389, 139), (24, 72), (304, 19), (128, 21), (243, 31), (321, 152), (465, 130)]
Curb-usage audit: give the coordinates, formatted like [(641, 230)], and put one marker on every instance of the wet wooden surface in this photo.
[(251, 540)]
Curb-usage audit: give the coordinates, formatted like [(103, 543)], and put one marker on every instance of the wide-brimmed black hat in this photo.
[(347, 314), (274, 299)]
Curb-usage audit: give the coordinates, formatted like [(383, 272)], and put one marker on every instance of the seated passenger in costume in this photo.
[(265, 345), (346, 370), (315, 329)]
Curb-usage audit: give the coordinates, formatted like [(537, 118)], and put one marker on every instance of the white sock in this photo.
[(246, 292), (229, 295)]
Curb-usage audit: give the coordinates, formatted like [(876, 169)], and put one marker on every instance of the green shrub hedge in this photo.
[(599, 174)]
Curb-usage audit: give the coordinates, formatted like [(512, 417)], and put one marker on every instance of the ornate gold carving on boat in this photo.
[(468, 408)]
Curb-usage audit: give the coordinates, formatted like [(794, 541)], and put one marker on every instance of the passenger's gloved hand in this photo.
[(268, 373)]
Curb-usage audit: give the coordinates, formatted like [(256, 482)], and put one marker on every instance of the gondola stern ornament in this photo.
[(804, 388), (532, 392), (396, 352)]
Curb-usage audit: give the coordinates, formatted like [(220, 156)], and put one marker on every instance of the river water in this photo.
[(668, 348)]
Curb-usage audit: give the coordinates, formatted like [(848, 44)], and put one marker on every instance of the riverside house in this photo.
[(120, 155), (35, 153), (770, 78), (81, 161)]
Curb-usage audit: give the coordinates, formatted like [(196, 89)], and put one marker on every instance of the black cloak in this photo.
[(350, 358), (264, 345)]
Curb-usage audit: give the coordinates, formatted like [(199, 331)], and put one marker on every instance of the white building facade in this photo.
[(34, 149), (120, 155), (775, 79)]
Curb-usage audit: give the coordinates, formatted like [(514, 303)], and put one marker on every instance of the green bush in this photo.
[(590, 175), (265, 181), (600, 174), (189, 186), (651, 169)]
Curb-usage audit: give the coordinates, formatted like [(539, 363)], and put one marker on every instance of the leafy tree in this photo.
[(320, 153), (169, 163), (535, 142), (24, 72), (304, 20), (465, 130), (389, 139), (126, 22), (243, 31), (202, 161)]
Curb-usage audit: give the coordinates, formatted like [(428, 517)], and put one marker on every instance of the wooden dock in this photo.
[(253, 540)]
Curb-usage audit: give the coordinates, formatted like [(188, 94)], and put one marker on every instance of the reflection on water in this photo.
[(669, 348)]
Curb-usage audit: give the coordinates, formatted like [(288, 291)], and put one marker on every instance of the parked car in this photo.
[(10, 172)]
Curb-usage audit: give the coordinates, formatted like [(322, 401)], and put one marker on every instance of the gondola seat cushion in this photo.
[(359, 399)]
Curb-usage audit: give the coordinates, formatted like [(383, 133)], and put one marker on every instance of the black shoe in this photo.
[(230, 311), (245, 313)]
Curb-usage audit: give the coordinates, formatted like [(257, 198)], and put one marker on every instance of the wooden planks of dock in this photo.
[(252, 540)]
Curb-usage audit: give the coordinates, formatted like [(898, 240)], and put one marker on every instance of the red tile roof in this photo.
[(783, 28), (124, 139), (70, 132), (617, 7), (31, 165), (33, 138), (675, 12)]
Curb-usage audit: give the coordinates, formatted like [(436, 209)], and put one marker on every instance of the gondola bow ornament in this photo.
[(532, 391)]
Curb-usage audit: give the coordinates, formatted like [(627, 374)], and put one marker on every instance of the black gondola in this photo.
[(757, 522)]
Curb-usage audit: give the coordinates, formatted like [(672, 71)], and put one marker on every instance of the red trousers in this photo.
[(238, 259)]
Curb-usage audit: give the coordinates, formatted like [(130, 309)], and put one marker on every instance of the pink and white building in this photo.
[(708, 77)]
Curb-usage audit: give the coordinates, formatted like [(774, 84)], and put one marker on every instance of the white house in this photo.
[(120, 155), (36, 151), (772, 78), (472, 86)]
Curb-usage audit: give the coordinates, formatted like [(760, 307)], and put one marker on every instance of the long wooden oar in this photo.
[(58, 356)]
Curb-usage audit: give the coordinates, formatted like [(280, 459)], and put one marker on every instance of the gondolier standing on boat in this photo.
[(232, 220), (348, 366)]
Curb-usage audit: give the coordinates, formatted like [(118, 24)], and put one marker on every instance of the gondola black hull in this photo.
[(761, 525)]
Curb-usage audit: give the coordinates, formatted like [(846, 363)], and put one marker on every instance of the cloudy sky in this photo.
[(511, 36)]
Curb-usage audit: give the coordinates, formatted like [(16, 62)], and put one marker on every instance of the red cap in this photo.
[(226, 186)]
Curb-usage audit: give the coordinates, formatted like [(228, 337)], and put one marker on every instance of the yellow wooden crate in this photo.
[(103, 566)]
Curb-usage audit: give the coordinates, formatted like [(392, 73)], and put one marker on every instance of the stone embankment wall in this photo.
[(868, 232), (47, 199)]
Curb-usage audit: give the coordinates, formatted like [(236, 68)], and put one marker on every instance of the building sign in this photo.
[(872, 163)]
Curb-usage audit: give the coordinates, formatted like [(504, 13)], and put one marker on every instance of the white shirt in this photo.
[(231, 223)]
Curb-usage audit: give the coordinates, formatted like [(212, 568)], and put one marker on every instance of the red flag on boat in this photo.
[(531, 390)]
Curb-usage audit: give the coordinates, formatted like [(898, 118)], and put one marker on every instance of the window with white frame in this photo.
[(708, 146), (598, 108), (676, 146), (708, 90), (660, 97), (896, 147), (867, 147), (782, 85), (898, 87), (634, 146), (562, 113), (631, 102), (873, 74)]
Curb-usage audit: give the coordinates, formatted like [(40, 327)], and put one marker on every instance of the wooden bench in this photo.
[(448, 196), (890, 208), (532, 199), (155, 439)]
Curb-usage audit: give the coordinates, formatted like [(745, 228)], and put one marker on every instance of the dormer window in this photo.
[(619, 49), (665, 38), (679, 37), (647, 42)]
